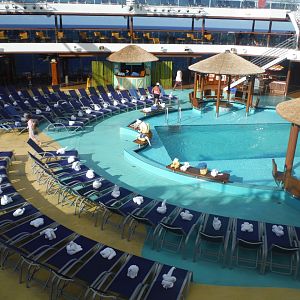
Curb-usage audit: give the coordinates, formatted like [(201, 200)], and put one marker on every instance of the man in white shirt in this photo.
[(178, 79)]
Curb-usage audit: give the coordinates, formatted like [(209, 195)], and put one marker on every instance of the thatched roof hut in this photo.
[(290, 111)]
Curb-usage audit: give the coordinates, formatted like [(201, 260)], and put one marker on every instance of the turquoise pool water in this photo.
[(224, 141)]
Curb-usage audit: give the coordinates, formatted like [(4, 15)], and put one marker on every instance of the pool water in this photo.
[(225, 142)]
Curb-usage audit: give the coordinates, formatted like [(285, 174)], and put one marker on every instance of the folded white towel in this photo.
[(115, 102), (38, 111), (15, 103), (73, 118), (61, 151), (123, 100), (48, 108), (133, 271), (73, 248), (142, 98), (26, 102), (217, 223), (169, 280), (19, 212), (97, 184), (71, 159), (88, 111), (134, 101), (80, 114), (147, 109), (71, 123), (116, 192), (278, 230), (108, 253), (49, 233), (138, 200), (76, 165), (246, 226), (163, 105), (105, 105), (90, 174), (6, 199), (37, 222), (186, 215), (97, 107), (214, 172), (163, 208), (185, 166)]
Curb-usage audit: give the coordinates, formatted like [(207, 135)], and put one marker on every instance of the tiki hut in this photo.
[(229, 64)]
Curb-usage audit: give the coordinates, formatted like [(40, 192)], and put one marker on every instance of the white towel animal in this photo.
[(71, 123), (19, 212), (90, 174), (142, 98), (163, 105), (214, 172), (15, 103), (73, 118), (147, 109), (134, 101), (48, 108), (246, 226), (71, 159), (116, 192), (108, 253), (61, 151), (49, 233), (37, 222), (115, 102), (109, 95), (133, 271), (80, 114), (97, 184), (185, 166), (123, 100), (73, 248), (138, 200), (97, 107), (217, 223), (163, 208), (278, 230), (186, 215), (38, 111), (169, 280), (105, 105), (56, 105), (76, 165), (6, 199), (171, 95), (88, 111)]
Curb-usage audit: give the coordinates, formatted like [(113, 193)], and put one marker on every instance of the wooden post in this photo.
[(201, 86), (131, 28), (269, 33), (195, 84), (193, 24), (250, 94), (218, 96), (203, 29), (228, 87), (288, 77), (292, 144), (54, 72), (56, 27)]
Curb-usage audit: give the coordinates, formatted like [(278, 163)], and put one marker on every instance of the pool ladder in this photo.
[(179, 114)]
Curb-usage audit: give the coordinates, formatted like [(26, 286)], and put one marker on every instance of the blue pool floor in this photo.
[(102, 148)]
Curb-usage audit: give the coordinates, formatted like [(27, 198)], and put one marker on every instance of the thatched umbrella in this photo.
[(290, 111), (132, 54), (226, 63)]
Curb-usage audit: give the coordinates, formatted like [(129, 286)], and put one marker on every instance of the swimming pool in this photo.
[(224, 141)]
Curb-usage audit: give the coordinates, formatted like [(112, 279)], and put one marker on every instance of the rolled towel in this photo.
[(132, 271), (48, 108), (37, 222), (108, 253), (19, 212), (278, 230), (163, 208), (90, 174), (97, 184), (142, 98), (214, 172), (105, 105), (169, 280), (80, 114), (186, 215), (61, 151), (76, 165), (71, 123), (73, 248), (38, 111), (15, 103), (246, 226), (116, 192), (26, 102), (6, 199), (88, 111), (185, 166), (216, 223), (49, 233), (73, 118), (71, 159), (138, 200)]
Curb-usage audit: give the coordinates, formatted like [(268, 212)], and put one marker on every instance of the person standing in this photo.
[(156, 93), (178, 79), (32, 125)]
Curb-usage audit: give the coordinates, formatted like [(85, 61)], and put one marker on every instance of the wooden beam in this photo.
[(288, 78), (54, 73), (291, 149), (201, 86), (195, 84), (228, 87), (250, 94), (218, 96)]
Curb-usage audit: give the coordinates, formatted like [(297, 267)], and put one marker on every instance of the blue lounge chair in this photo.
[(73, 94), (101, 89), (63, 124), (83, 93), (122, 100), (93, 91)]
